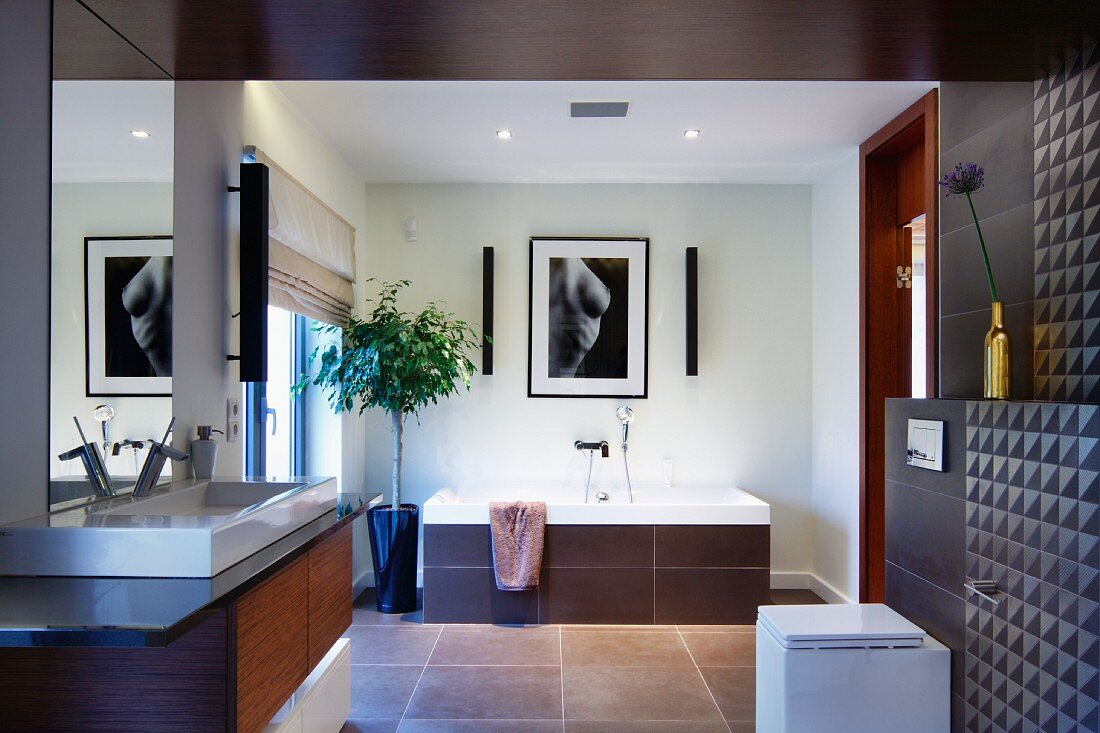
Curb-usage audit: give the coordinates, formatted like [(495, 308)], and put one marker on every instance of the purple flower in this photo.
[(965, 179)]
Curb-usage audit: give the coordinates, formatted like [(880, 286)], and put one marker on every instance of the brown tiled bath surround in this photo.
[(604, 574)]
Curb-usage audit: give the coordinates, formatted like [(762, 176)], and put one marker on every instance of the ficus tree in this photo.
[(394, 361)]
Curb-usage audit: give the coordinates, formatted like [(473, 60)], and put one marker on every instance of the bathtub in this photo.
[(694, 505), (686, 555)]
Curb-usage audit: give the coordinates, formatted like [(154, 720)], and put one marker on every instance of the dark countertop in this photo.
[(70, 611)]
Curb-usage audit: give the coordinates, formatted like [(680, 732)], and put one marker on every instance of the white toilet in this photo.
[(848, 669)]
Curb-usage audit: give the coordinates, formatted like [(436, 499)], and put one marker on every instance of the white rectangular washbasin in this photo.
[(187, 529)]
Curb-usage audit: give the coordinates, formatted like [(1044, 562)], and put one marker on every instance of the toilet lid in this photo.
[(868, 625)]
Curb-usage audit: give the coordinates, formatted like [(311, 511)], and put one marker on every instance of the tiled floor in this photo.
[(414, 678)]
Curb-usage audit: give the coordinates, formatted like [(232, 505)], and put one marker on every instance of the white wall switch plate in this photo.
[(925, 444)]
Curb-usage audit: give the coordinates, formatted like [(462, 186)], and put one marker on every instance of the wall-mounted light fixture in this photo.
[(691, 134), (504, 134), (140, 134)]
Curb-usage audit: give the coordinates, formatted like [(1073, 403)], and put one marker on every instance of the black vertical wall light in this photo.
[(487, 310), (691, 317), (253, 272)]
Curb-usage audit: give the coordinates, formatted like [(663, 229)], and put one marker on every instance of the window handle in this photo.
[(274, 418)]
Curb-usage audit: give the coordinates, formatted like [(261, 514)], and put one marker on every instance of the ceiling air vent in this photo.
[(598, 109)]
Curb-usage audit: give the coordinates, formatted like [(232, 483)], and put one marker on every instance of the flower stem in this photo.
[(985, 254)]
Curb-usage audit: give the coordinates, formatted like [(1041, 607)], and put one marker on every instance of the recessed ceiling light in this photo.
[(504, 134), (139, 134), (691, 134)]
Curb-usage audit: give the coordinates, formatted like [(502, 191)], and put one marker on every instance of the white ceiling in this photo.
[(91, 130), (752, 132)]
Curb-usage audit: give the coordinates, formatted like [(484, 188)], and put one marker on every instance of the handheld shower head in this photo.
[(625, 416)]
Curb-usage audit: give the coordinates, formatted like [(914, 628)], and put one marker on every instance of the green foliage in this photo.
[(394, 360)]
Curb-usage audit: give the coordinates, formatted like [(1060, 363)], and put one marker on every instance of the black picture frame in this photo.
[(635, 384), (97, 383)]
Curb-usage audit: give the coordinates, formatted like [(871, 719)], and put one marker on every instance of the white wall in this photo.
[(744, 420), (208, 140), (835, 469), (87, 210), (25, 30)]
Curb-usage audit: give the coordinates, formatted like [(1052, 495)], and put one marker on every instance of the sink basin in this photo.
[(209, 499), (187, 529)]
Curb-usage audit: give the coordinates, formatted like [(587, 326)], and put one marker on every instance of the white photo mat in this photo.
[(96, 252), (636, 252)]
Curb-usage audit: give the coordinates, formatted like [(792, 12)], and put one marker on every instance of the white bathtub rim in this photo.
[(446, 507)]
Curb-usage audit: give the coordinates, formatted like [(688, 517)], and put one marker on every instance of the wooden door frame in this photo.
[(922, 118)]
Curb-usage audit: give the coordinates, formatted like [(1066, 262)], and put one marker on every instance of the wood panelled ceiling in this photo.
[(601, 39), (85, 48)]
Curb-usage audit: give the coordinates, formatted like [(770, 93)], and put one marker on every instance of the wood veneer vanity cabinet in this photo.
[(231, 671), (284, 626)]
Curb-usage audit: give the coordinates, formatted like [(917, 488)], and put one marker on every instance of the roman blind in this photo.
[(311, 250)]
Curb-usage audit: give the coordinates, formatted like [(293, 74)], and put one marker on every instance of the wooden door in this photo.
[(898, 171)]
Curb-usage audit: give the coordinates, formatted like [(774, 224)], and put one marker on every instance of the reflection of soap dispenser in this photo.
[(204, 452)]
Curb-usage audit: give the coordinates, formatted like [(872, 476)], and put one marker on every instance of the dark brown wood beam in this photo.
[(610, 39)]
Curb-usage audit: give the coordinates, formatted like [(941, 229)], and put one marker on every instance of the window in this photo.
[(287, 435)]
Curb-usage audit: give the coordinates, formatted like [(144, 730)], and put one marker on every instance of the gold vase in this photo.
[(998, 356)]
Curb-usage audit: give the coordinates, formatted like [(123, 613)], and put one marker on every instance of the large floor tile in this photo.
[(722, 650), (716, 628), (643, 726), (481, 645), (370, 726), (734, 689), (390, 645), (637, 693), (382, 692), (480, 726), (519, 693), (623, 649)]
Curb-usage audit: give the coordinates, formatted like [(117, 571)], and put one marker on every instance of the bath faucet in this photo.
[(154, 462), (604, 450), (601, 446)]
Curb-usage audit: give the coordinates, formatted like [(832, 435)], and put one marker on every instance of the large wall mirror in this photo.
[(111, 254)]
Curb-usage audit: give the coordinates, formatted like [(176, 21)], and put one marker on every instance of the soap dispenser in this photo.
[(204, 452)]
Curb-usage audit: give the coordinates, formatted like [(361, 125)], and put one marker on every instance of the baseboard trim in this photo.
[(807, 581), (779, 581)]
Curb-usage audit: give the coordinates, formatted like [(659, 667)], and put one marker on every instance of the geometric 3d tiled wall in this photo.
[(1067, 230), (1032, 661)]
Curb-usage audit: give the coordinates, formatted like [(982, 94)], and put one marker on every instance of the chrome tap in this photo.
[(154, 462), (604, 450)]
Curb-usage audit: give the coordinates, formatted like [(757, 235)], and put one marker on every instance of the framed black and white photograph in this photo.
[(128, 315), (589, 317)]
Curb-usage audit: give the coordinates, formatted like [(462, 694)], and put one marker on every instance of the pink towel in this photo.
[(518, 529)]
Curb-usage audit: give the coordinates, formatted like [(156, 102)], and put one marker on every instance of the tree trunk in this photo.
[(398, 429)]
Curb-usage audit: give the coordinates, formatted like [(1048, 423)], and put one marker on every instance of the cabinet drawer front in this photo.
[(330, 593), (271, 655)]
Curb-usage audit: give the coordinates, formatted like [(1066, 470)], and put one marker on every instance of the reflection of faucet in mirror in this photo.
[(89, 455), (104, 414), (134, 446)]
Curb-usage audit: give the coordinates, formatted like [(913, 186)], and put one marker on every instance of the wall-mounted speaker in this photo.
[(487, 310), (691, 318)]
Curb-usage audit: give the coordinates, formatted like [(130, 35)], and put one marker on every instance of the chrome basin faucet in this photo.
[(154, 463)]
